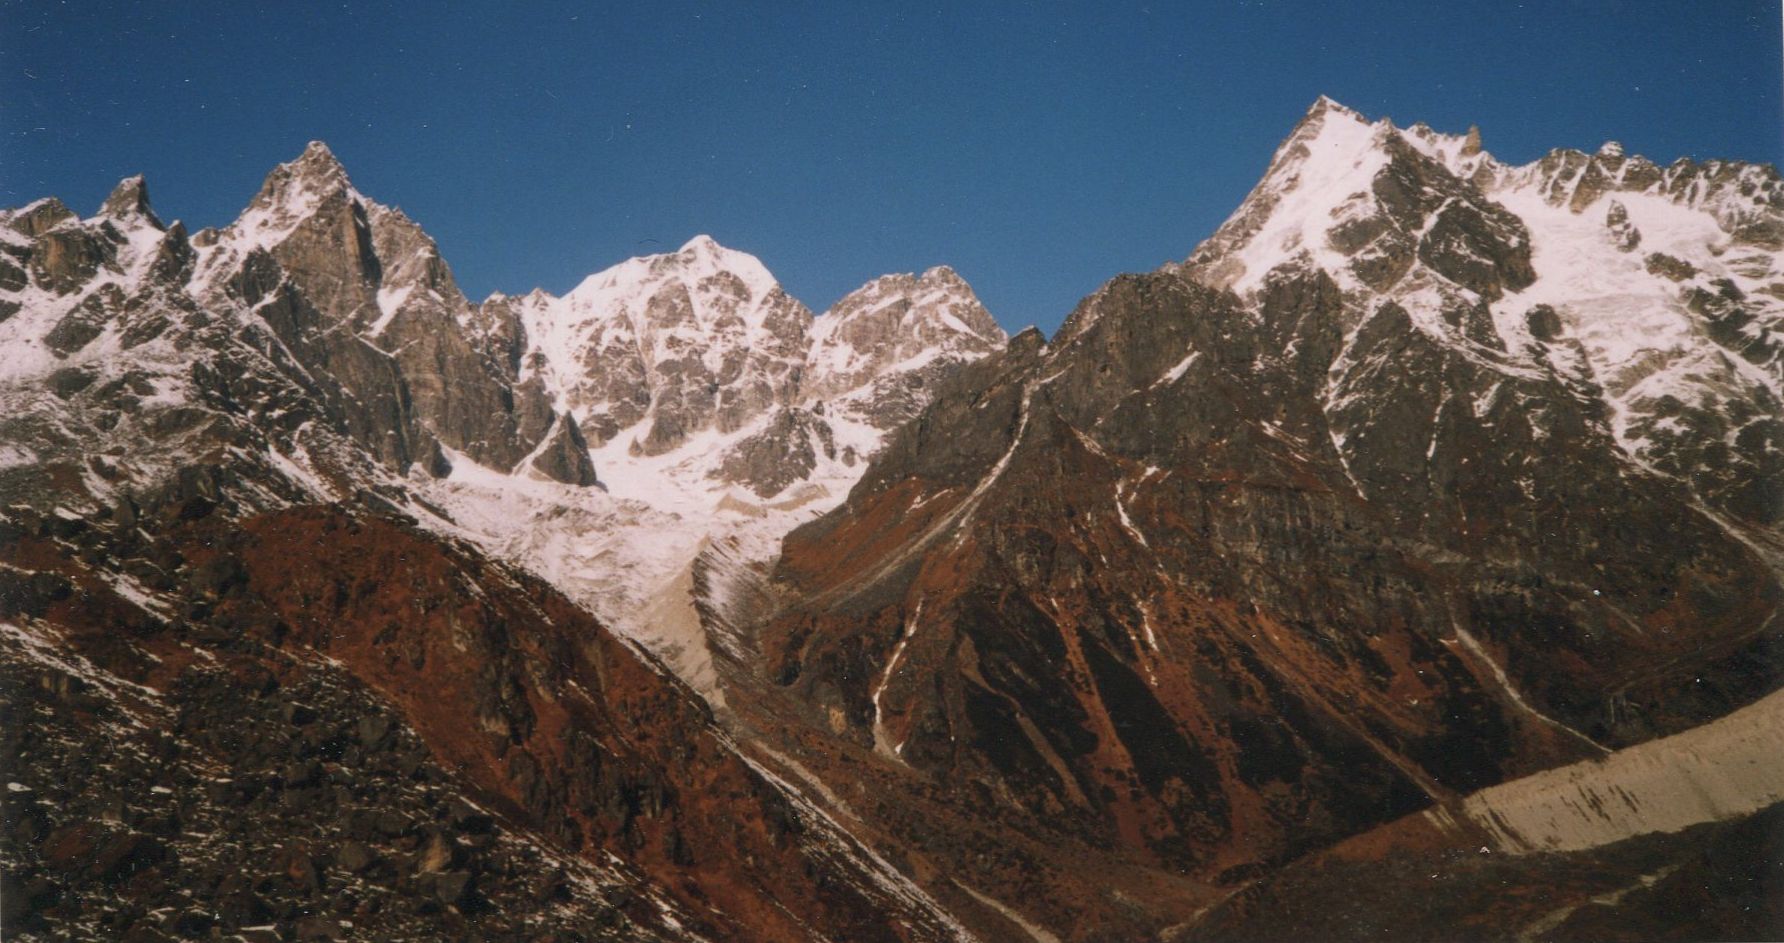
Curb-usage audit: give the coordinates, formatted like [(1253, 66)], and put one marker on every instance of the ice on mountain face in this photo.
[(894, 319), (719, 413), (876, 352), (690, 340), (64, 290), (1662, 286), (1321, 175), (1670, 279), (626, 550), (657, 350), (693, 371), (1662, 372)]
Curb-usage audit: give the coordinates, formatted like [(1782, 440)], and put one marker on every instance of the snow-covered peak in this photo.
[(36, 217), (703, 257), (1327, 132), (1460, 154), (317, 162), (938, 302), (1655, 285), (1325, 104), (697, 263), (314, 174), (891, 327), (75, 293), (1321, 174), (293, 192), (680, 340)]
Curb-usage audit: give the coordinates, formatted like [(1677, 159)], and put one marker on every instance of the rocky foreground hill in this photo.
[(1404, 563)]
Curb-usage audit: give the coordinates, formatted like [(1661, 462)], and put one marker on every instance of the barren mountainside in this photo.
[(1405, 563)]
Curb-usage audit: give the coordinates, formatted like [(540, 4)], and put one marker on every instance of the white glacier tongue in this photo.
[(719, 414), (705, 419)]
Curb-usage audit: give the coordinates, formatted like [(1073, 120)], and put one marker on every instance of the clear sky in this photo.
[(1038, 148)]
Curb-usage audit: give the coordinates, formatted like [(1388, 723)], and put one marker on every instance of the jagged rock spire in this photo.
[(130, 200), (312, 176), (1471, 144), (317, 161)]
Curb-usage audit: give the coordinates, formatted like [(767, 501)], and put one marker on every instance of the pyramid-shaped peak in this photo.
[(703, 255), (316, 169), (128, 201), (293, 192), (318, 154), (1610, 149), (1328, 131), (939, 296), (297, 186), (1325, 104), (1328, 126), (698, 259)]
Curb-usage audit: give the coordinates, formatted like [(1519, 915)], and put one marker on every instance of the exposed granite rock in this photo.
[(875, 353), (372, 287), (565, 456), (783, 452), (1665, 266), (129, 201), (64, 259), (40, 217), (1622, 231), (1167, 570)]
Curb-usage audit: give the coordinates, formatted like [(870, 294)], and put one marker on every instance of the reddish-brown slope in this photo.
[(1160, 614), (568, 734), (526, 695)]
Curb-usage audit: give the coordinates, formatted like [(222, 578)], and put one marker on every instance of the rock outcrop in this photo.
[(1424, 521)]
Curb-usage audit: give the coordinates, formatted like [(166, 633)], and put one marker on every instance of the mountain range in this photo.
[(1404, 562)]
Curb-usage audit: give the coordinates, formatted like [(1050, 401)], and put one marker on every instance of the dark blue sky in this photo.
[(1039, 149)]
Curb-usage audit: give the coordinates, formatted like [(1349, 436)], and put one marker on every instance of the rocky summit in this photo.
[(1404, 563)]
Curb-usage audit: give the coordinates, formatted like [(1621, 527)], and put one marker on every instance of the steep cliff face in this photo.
[(674, 344), (722, 415), (164, 603), (1338, 520), (247, 455), (320, 314), (700, 354), (384, 316), (1431, 504), (345, 297), (1666, 280)]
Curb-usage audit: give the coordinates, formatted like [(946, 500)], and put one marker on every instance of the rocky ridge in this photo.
[(723, 415), (1424, 475), (1342, 518), (170, 400), (1668, 280)]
